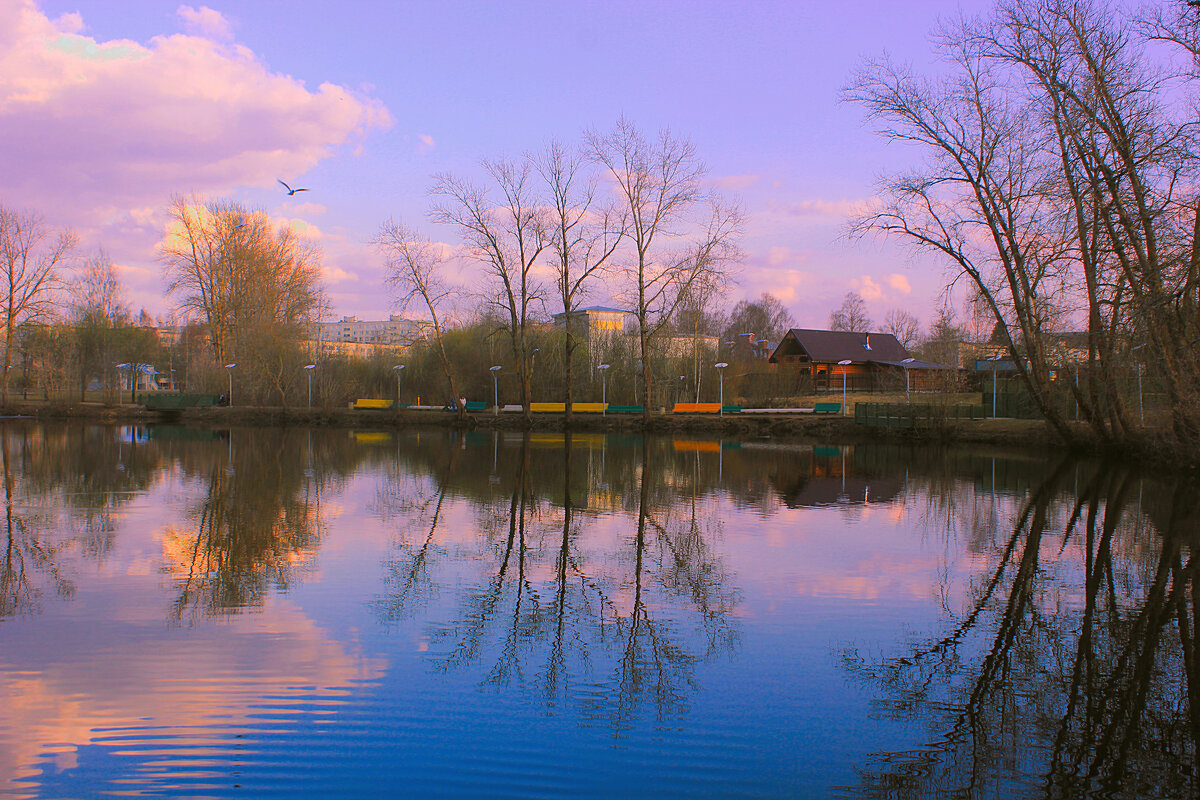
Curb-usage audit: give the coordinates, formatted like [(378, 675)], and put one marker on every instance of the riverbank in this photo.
[(816, 427), (1152, 450)]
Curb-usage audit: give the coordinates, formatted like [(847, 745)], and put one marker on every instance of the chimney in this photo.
[(867, 343)]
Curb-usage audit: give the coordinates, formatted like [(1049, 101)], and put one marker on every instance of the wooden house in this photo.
[(873, 358)]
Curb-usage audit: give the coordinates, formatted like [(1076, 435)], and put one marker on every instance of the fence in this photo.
[(914, 415)]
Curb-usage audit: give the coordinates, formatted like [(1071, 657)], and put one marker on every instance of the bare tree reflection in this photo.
[(260, 520), (1059, 684), (612, 626)]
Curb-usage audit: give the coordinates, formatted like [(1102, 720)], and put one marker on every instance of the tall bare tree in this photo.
[(507, 234), (979, 199), (583, 238), (31, 254), (680, 235), (416, 270)]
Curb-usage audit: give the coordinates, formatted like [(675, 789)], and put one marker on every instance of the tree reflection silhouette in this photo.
[(560, 614), (1055, 685)]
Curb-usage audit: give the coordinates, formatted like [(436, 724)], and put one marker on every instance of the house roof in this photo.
[(916, 364), (607, 309), (834, 346)]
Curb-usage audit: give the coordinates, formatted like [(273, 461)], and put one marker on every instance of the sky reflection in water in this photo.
[(267, 612)]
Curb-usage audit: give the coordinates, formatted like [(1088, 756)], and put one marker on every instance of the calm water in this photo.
[(255, 613)]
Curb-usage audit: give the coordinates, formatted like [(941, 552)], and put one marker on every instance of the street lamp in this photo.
[(399, 371), (845, 363), (721, 365), (604, 388), (995, 363), (309, 369), (906, 362), (230, 368), (495, 388)]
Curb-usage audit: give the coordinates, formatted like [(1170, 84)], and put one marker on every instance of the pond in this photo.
[(279, 612)]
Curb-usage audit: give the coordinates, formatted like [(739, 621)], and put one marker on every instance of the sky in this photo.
[(108, 109)]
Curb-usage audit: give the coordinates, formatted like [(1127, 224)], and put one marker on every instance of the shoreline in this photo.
[(1021, 434)]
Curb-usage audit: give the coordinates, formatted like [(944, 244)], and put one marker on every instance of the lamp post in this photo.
[(906, 362), (495, 388), (309, 369), (844, 364), (1141, 408), (399, 371), (995, 363), (721, 365), (603, 388), (230, 368)]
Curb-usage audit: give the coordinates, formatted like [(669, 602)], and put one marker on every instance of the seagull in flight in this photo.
[(290, 190)]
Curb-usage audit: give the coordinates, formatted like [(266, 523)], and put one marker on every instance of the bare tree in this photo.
[(97, 310), (851, 315), (256, 287), (582, 241), (904, 326), (416, 270), (31, 254), (674, 247), (507, 236), (767, 318)]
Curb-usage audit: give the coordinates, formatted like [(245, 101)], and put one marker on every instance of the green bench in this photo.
[(827, 408), (731, 409), (476, 405), (624, 409)]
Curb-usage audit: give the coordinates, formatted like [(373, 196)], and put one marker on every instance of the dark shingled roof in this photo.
[(833, 346)]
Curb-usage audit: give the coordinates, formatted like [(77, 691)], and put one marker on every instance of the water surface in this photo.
[(252, 613)]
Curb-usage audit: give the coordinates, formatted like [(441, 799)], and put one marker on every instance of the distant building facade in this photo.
[(594, 323), (395, 331)]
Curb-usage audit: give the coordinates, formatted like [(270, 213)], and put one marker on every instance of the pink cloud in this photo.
[(735, 183), (824, 208), (866, 286), (898, 282), (205, 22), (109, 130)]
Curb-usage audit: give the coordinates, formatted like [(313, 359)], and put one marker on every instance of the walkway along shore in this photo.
[(829, 428)]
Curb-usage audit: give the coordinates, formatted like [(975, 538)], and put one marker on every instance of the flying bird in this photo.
[(290, 190)]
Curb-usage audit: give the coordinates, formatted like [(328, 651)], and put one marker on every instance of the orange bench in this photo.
[(696, 408)]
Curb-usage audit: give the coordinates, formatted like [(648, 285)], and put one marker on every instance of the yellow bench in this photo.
[(366, 402), (696, 408), (560, 408)]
